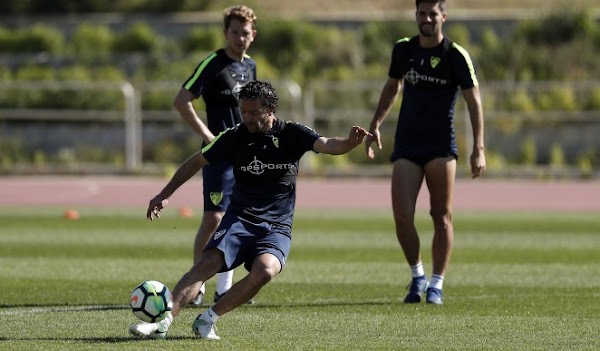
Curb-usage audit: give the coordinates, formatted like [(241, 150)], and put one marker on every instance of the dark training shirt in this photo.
[(265, 166), (431, 78), (218, 79)]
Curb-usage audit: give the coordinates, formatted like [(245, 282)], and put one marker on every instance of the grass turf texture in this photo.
[(516, 282)]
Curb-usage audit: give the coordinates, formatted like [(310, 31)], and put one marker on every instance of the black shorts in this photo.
[(421, 156), (241, 241)]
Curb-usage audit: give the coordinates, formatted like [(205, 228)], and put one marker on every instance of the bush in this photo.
[(561, 26), (585, 164), (560, 99), (7, 40), (593, 102), (528, 151), (157, 100), (203, 39), (34, 98), (139, 37), (557, 155), (289, 46), (13, 150), (335, 49), (460, 35), (37, 39), (92, 42), (520, 101), (378, 39), (108, 73), (265, 70), (75, 98)]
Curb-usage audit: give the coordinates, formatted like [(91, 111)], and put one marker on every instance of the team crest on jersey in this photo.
[(275, 141), (434, 61), (216, 198)]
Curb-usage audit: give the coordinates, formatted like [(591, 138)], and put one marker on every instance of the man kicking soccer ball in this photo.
[(257, 226)]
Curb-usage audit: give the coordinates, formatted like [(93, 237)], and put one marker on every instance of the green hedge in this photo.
[(304, 51), (563, 46)]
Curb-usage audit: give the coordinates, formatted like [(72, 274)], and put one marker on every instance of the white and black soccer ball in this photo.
[(151, 300)]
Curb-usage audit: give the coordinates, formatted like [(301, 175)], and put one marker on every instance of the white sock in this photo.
[(211, 315), (417, 270), (166, 322), (224, 282), (199, 298), (437, 281)]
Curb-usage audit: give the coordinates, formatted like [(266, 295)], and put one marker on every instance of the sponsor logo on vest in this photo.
[(413, 77), (258, 167)]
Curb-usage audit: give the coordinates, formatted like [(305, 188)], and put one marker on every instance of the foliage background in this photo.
[(164, 44)]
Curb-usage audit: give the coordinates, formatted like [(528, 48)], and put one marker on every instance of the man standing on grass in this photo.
[(431, 69), (218, 78)]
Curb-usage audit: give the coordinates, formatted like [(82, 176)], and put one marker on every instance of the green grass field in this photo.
[(516, 282)]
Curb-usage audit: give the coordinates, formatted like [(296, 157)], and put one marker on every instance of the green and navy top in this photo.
[(218, 79), (431, 81)]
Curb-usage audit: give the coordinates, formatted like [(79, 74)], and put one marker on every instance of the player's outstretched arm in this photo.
[(338, 146), (186, 171)]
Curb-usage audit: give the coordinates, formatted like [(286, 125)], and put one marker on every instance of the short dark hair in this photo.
[(242, 13), (263, 91), (441, 2)]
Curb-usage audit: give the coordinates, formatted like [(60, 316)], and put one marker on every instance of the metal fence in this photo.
[(128, 115), (518, 115)]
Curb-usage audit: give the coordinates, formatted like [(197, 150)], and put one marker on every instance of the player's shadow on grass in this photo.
[(325, 303), (96, 340), (111, 339), (84, 308), (63, 308)]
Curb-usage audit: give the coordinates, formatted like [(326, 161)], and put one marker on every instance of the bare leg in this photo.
[(264, 268), (440, 174), (208, 226), (188, 286), (407, 178), (210, 223)]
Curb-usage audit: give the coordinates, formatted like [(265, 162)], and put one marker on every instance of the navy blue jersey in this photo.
[(265, 166), (431, 78), (218, 79)]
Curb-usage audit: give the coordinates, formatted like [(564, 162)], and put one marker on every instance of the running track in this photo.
[(316, 194)]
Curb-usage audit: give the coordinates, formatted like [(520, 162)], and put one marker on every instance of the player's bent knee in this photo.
[(264, 269), (442, 218)]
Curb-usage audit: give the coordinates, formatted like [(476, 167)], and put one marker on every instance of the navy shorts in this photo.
[(420, 156), (241, 241), (217, 180)]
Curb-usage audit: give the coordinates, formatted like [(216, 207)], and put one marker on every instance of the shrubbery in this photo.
[(563, 46), (303, 51)]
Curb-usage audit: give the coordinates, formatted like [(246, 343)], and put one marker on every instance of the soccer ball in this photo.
[(151, 300)]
